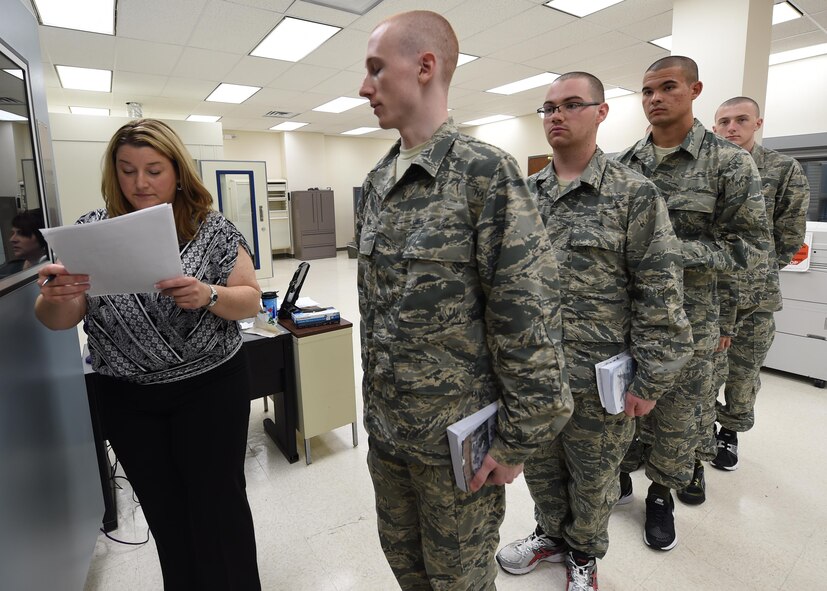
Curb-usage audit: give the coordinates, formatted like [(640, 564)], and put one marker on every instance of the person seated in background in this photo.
[(758, 295), (174, 385), (28, 247)]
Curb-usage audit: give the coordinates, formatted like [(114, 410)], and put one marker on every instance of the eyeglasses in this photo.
[(573, 107)]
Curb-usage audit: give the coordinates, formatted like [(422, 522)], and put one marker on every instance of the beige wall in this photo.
[(252, 145), (79, 142)]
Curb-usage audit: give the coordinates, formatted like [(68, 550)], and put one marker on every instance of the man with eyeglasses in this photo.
[(757, 295), (713, 193), (621, 272)]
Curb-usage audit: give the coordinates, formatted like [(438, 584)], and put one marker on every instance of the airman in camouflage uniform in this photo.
[(786, 197), (622, 274), (712, 192), (460, 306)]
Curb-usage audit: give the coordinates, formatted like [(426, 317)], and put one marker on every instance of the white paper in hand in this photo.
[(126, 254)]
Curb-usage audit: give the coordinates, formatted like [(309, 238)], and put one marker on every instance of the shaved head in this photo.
[(420, 31), (595, 85), (741, 99), (687, 66)]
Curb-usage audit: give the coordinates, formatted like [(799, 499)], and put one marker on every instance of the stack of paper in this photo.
[(126, 254)]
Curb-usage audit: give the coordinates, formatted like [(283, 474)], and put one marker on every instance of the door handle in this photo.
[(261, 213)]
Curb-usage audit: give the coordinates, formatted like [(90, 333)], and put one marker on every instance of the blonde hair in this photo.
[(192, 200)]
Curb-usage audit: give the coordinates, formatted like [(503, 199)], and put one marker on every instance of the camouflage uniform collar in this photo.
[(694, 139), (758, 155), (383, 176), (591, 175), (437, 147)]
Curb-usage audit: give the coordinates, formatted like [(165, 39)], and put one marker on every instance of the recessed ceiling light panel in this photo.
[(85, 78), (525, 84), (465, 58), (491, 119), (95, 16), (293, 38), (783, 12), (580, 8), (232, 93), (289, 126), (360, 131), (204, 118), (341, 104), (798, 54), (663, 42), (616, 92)]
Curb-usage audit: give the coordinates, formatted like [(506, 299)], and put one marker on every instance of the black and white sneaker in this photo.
[(727, 457), (625, 489), (695, 493), (659, 531)]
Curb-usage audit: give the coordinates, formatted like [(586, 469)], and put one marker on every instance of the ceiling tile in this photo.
[(473, 16), (302, 77), (531, 23), (232, 28), (162, 21), (340, 51), (138, 84), (256, 71), (321, 14), (146, 57), (205, 64), (77, 48)]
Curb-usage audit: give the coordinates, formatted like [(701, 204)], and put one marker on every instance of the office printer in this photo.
[(800, 345)]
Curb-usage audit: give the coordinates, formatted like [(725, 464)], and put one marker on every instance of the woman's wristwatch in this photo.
[(213, 296)]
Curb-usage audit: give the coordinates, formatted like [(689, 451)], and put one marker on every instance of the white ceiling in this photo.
[(169, 55)]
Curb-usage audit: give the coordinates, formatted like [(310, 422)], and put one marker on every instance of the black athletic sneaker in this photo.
[(659, 531), (695, 493), (727, 458), (625, 489)]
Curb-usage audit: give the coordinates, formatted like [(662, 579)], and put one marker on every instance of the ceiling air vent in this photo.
[(7, 100), (280, 114)]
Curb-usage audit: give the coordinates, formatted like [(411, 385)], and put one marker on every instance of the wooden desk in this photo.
[(325, 386), (272, 373)]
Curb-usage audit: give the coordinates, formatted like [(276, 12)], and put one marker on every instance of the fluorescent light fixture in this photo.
[(17, 73), (360, 131), (232, 93), (616, 92), (663, 42), (465, 58), (580, 8), (95, 16), (85, 78), (525, 84), (204, 118), (288, 126), (783, 12), (292, 39), (341, 104), (6, 116), (798, 54), (89, 111), (491, 119), (353, 6)]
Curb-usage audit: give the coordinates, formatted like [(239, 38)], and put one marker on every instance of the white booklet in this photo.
[(126, 254), (613, 378), (469, 440)]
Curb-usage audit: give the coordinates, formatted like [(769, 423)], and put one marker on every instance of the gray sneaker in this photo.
[(581, 577), (523, 556)]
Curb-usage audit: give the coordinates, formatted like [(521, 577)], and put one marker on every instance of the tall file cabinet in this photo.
[(314, 224)]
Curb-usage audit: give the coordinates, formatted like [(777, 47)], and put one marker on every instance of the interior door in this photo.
[(239, 190)]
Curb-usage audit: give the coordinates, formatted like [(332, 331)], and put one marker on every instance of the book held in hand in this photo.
[(613, 378), (469, 440)]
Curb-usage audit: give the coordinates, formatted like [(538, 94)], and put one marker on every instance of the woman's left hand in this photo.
[(189, 293)]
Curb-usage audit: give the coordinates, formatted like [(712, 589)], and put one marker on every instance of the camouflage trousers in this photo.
[(574, 479), (739, 369), (434, 536), (669, 433)]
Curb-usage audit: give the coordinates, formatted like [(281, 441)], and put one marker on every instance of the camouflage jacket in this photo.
[(620, 267), (459, 301), (713, 193), (786, 197)]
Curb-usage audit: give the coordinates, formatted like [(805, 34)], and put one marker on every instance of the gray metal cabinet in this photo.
[(314, 224)]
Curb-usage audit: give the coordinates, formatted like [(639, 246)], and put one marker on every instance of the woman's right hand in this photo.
[(58, 286)]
